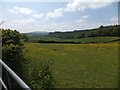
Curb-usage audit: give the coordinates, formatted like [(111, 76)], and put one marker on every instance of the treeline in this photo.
[(97, 32), (37, 34), (58, 42)]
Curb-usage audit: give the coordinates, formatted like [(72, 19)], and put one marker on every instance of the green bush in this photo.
[(13, 50), (41, 78)]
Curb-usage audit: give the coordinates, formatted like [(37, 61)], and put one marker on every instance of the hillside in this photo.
[(112, 30), (96, 35), (97, 32), (36, 34)]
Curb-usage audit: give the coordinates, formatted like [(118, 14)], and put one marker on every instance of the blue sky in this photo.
[(58, 16)]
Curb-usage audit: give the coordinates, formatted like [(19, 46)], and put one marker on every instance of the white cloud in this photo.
[(82, 19), (23, 21), (81, 23), (17, 10), (85, 17), (65, 26), (77, 24), (80, 5), (26, 11), (114, 19), (38, 15), (55, 14), (14, 11), (48, 0)]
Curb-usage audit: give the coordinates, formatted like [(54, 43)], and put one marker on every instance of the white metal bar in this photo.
[(3, 84), (1, 22), (15, 76), (9, 83)]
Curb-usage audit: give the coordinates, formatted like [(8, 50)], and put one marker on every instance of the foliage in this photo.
[(36, 34), (78, 40), (54, 40), (97, 32), (13, 49), (41, 78), (25, 37), (68, 37)]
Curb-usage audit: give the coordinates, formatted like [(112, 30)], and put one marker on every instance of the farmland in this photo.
[(59, 45), (80, 40), (77, 65), (78, 59)]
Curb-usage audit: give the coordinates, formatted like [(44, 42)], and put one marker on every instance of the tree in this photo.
[(25, 37), (13, 50)]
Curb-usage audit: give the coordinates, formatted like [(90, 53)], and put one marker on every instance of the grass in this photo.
[(82, 40), (78, 65)]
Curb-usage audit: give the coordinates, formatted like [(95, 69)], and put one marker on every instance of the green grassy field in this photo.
[(78, 65), (83, 40)]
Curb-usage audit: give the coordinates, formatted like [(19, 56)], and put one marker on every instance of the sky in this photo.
[(53, 16)]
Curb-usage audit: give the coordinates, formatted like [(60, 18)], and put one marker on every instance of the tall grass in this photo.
[(76, 65)]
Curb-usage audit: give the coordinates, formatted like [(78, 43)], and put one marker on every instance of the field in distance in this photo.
[(79, 40), (78, 65)]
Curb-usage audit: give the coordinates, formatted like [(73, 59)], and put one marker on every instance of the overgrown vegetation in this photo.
[(13, 54), (40, 78), (13, 49)]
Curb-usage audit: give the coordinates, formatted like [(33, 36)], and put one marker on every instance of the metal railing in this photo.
[(3, 84), (19, 81)]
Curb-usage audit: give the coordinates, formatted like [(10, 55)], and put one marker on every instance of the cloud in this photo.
[(79, 23), (82, 19), (79, 5), (24, 21), (17, 10), (55, 14), (26, 11), (38, 15), (85, 17), (65, 26), (114, 19)]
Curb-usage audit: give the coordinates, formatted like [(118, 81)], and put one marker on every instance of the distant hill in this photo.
[(97, 32), (113, 30), (36, 34)]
